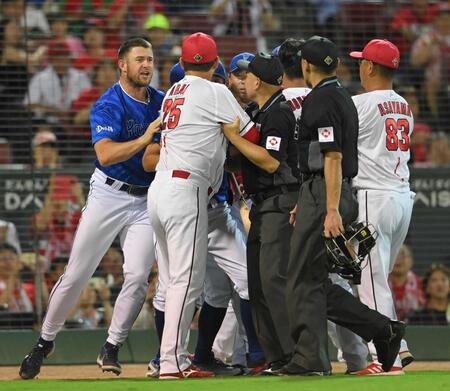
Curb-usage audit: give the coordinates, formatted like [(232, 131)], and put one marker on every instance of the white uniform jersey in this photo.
[(385, 126), (191, 137), (295, 97)]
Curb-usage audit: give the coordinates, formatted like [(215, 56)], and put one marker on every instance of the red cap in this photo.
[(380, 51), (59, 48), (199, 48)]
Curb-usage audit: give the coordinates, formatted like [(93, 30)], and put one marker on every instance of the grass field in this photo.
[(423, 381)]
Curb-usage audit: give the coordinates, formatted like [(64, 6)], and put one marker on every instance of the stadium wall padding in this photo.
[(427, 343)]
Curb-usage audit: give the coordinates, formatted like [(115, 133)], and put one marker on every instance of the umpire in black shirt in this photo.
[(328, 131), (270, 177)]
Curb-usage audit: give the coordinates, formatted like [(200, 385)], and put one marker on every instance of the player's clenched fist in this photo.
[(153, 128), (231, 131)]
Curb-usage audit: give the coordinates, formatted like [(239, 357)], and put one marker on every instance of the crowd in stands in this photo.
[(58, 56)]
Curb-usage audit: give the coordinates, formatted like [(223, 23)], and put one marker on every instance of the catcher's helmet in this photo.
[(347, 251)]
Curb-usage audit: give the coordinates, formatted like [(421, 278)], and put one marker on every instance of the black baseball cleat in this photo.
[(108, 358), (293, 369), (219, 368), (274, 367), (31, 364), (387, 343)]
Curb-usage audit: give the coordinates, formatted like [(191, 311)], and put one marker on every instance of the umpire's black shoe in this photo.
[(31, 364), (387, 343), (274, 367), (108, 358), (219, 368), (293, 369)]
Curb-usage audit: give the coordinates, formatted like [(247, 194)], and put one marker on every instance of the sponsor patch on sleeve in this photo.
[(326, 135), (100, 128), (273, 142)]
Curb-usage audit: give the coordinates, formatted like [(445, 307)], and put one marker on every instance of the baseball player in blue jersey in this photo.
[(123, 124)]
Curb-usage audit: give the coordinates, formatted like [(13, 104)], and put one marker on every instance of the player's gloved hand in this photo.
[(231, 131), (153, 128), (293, 215), (332, 226)]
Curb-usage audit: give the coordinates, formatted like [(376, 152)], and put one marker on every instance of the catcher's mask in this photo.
[(347, 251)]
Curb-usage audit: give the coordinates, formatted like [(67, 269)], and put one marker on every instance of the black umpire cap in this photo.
[(320, 52), (265, 66)]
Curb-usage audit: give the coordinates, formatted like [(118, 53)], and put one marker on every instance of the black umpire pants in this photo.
[(267, 259), (311, 296)]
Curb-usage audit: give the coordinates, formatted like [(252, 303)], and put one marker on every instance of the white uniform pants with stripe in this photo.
[(390, 214), (108, 213), (179, 217)]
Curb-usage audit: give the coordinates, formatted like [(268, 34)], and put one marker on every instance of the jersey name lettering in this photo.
[(394, 108), (178, 89)]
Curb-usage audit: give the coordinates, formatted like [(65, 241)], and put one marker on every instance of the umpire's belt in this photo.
[(283, 189), (306, 177), (130, 189), (185, 175)]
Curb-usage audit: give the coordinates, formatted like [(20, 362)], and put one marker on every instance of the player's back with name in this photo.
[(385, 126), (191, 136), (120, 118)]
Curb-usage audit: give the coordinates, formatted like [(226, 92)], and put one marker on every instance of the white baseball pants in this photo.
[(178, 214), (390, 214), (108, 213)]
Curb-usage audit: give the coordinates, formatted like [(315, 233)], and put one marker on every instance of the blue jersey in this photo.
[(119, 117), (224, 191)]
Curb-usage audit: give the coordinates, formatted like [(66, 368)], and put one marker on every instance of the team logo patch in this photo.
[(273, 143), (326, 135), (395, 61), (100, 128), (328, 60), (198, 57)]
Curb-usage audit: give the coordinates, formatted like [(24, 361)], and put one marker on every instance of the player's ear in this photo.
[(122, 64)]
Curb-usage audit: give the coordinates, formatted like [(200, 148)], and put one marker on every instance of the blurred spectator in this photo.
[(13, 297), (85, 315), (52, 90), (165, 66), (14, 50), (408, 23), (437, 289), (439, 150), (105, 75), (94, 42), (111, 271), (45, 151), (406, 286), (411, 20), (57, 221), (5, 151), (34, 18), (8, 234), (126, 18), (243, 17), (27, 277), (158, 33), (431, 51), (146, 318), (59, 26), (56, 270), (422, 131)]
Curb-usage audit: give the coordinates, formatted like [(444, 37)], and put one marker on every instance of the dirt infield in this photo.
[(75, 372)]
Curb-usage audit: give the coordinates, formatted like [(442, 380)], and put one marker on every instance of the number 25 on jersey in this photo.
[(394, 140), (171, 113)]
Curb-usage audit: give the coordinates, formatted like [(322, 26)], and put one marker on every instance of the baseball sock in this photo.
[(159, 324), (209, 323), (254, 348)]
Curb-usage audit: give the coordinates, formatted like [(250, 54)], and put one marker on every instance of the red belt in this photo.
[(185, 175)]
